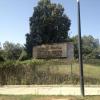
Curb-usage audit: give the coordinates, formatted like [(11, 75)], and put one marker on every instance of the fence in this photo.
[(45, 72)]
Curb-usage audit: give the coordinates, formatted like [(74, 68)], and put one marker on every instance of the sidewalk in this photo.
[(48, 90)]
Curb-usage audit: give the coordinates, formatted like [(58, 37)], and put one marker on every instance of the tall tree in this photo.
[(48, 24)]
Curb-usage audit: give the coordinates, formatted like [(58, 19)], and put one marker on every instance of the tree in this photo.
[(48, 24), (90, 47), (74, 39), (12, 51), (1, 56), (23, 55)]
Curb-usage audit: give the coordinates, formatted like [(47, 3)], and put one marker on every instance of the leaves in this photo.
[(48, 24), (90, 47), (11, 51)]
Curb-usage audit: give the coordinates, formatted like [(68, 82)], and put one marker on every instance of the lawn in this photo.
[(31, 97)]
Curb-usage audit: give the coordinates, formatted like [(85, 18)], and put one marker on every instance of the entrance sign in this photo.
[(55, 50)]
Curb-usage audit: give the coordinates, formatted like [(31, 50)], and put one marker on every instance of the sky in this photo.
[(15, 14)]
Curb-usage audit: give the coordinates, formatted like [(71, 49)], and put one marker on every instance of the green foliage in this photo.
[(1, 59), (1, 56), (48, 24), (75, 42), (90, 47), (11, 51), (16, 72), (92, 61), (23, 55)]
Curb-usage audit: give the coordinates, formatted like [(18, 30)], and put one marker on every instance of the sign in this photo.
[(55, 50)]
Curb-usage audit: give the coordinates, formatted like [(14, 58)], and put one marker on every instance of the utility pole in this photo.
[(80, 49)]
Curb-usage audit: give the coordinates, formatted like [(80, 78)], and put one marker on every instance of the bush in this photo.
[(12, 72)]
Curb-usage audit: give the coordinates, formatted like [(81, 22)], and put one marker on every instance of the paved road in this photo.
[(48, 90)]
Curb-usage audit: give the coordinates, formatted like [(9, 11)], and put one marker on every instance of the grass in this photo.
[(50, 71), (32, 97), (92, 71), (89, 70)]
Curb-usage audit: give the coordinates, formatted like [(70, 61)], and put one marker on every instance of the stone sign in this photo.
[(55, 50)]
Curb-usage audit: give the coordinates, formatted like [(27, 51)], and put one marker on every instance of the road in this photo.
[(48, 90)]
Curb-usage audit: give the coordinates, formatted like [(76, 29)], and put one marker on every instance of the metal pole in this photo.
[(80, 50)]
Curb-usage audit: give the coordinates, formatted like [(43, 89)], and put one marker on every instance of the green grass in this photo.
[(32, 97), (24, 97), (92, 71)]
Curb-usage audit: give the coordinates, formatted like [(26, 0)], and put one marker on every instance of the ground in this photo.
[(31, 97)]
